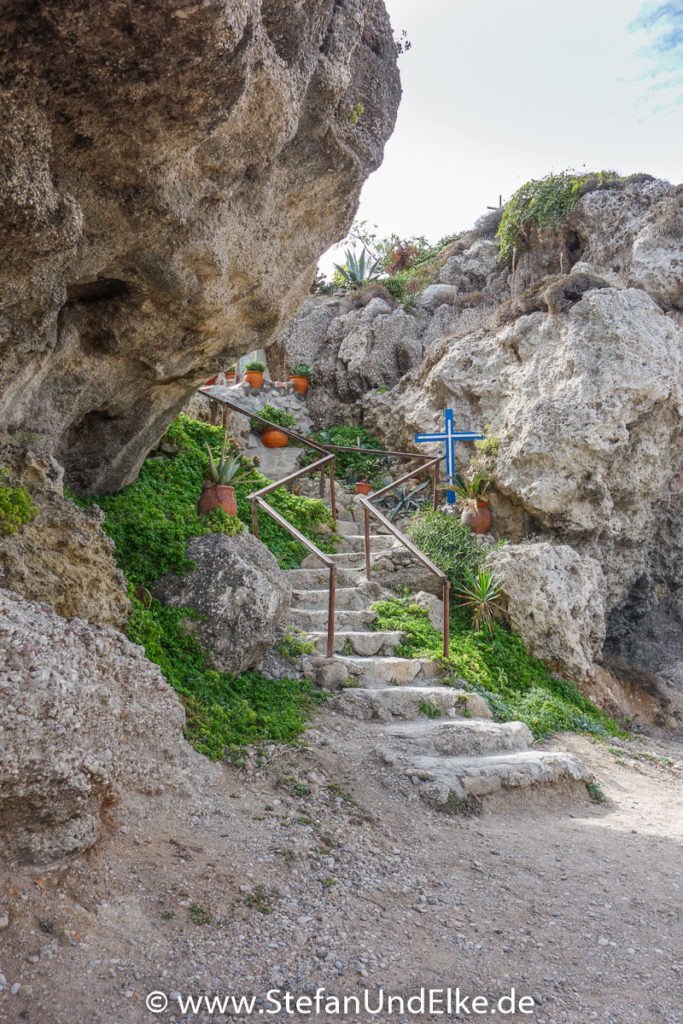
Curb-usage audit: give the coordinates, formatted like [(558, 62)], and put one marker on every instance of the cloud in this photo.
[(664, 52)]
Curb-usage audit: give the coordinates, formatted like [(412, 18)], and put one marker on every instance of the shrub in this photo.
[(278, 418), (449, 544), (256, 365), (300, 370), (546, 204), (15, 507), (346, 463)]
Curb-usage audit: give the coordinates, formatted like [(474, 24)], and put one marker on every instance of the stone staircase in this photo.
[(438, 738)]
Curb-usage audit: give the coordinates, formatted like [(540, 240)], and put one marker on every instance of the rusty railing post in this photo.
[(367, 543), (333, 503), (435, 495), (254, 518), (322, 483), (446, 616), (330, 611)]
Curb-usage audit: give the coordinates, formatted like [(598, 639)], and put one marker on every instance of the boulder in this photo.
[(86, 720), (431, 604), (170, 179), (62, 556), (240, 594), (436, 295), (555, 600), (470, 271)]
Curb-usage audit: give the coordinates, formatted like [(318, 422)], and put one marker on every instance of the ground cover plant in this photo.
[(516, 686), (348, 463), (150, 523), (15, 506)]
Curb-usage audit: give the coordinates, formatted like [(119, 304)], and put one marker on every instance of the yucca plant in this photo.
[(481, 594), (358, 271)]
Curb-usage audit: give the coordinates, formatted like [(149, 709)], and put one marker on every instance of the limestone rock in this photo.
[(431, 604), (469, 271), (240, 593), (436, 295), (62, 556), (170, 179), (85, 719), (555, 600)]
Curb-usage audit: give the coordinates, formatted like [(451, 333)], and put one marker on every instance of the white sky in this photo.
[(496, 92)]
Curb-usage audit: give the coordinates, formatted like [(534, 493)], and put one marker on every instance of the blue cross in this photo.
[(450, 436)]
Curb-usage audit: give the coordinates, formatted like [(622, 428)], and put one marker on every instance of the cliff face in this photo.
[(575, 362), (171, 174)]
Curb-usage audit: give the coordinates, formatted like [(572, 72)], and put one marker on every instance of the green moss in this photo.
[(546, 203), (150, 523), (15, 507), (517, 686)]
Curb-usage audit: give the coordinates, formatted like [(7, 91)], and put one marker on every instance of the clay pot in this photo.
[(210, 382), (216, 496), (300, 384), (274, 438), (363, 487), (480, 521), (254, 377), (229, 379)]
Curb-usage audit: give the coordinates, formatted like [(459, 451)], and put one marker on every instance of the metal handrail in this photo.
[(256, 499), (257, 502)]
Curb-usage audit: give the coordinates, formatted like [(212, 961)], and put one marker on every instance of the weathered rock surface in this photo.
[(85, 719), (171, 176), (555, 600), (240, 593), (62, 556)]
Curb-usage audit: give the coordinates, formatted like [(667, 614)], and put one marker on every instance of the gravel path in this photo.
[(312, 869)]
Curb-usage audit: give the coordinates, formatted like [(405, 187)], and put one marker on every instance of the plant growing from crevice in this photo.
[(294, 644), (15, 506)]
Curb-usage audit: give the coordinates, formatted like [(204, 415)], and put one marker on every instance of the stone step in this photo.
[(314, 620), (344, 560), (446, 781), (349, 528), (379, 543), (465, 736), (364, 644), (372, 672), (318, 578), (403, 702), (346, 598)]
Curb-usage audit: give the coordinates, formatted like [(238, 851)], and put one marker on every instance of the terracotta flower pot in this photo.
[(300, 384), (480, 521), (216, 496), (254, 377), (274, 438), (362, 487), (210, 382), (229, 379)]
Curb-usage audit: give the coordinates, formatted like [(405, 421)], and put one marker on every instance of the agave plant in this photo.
[(229, 470), (481, 594), (401, 501), (358, 271)]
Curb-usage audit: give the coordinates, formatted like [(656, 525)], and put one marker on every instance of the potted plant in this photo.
[(253, 372), (300, 376), (218, 490), (471, 493), (271, 436), (230, 375)]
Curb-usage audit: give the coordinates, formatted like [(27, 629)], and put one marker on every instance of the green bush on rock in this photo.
[(150, 523), (15, 507)]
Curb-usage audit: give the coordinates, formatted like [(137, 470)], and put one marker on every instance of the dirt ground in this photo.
[(312, 870)]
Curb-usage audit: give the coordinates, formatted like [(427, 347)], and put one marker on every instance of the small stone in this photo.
[(4, 921), (173, 996), (15, 987)]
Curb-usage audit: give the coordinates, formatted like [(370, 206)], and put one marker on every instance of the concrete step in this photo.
[(344, 560), (403, 702), (346, 598), (364, 644), (350, 528), (458, 737), (314, 620), (318, 578), (446, 781), (379, 543), (372, 672)]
